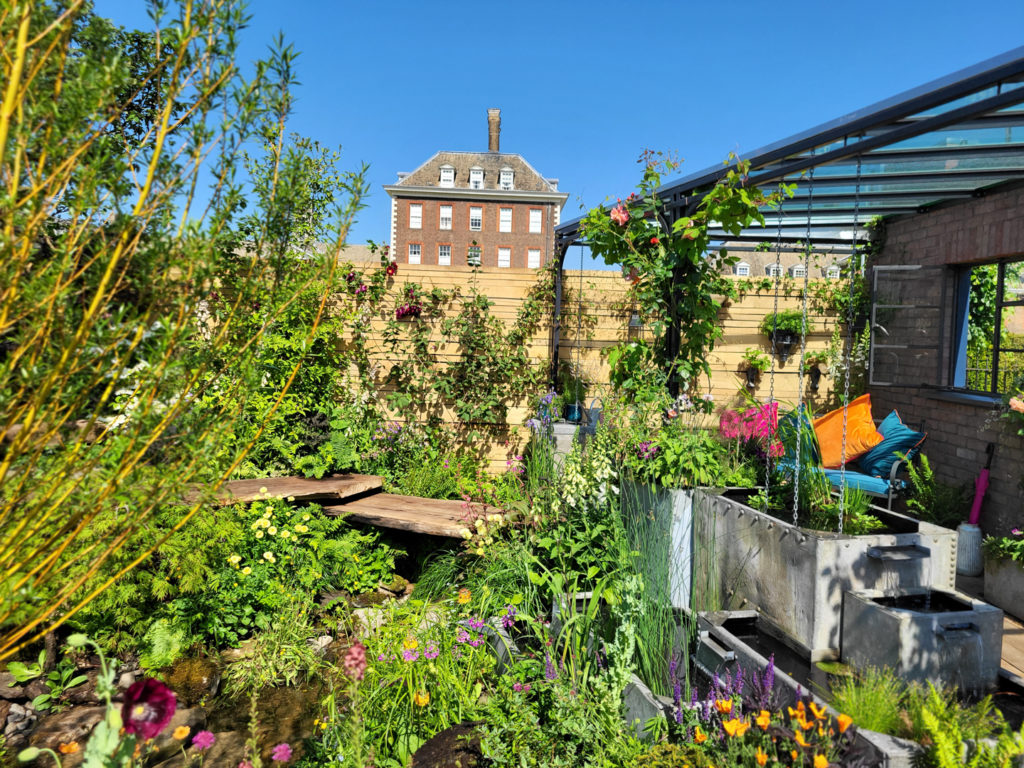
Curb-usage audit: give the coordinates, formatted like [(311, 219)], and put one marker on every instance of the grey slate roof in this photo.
[(526, 179)]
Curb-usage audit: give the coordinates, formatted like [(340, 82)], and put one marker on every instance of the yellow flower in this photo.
[(465, 533), (285, 534), (259, 534), (269, 557), (263, 489), (794, 754), (481, 551), (724, 706), (305, 518), (234, 559), (735, 727), (410, 643), (845, 721), (761, 756), (465, 596), (800, 739), (246, 571), (820, 761), (764, 719), (181, 732), (699, 736), (264, 523), (819, 714), (300, 528), (272, 530), (421, 699), (291, 498)]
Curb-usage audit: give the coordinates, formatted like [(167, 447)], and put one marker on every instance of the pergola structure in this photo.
[(957, 137)]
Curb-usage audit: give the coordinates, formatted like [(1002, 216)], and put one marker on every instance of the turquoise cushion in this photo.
[(866, 483), (898, 439)]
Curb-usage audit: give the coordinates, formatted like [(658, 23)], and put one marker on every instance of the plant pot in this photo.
[(1004, 585), (797, 576), (753, 376), (782, 344), (968, 550)]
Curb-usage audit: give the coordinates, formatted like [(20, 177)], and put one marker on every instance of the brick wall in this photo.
[(460, 236), (979, 230)]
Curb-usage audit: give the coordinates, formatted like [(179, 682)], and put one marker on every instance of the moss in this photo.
[(193, 679)]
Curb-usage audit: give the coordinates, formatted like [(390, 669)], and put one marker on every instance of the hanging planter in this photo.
[(753, 364), (784, 329)]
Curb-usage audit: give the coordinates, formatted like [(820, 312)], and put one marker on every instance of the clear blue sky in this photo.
[(585, 86)]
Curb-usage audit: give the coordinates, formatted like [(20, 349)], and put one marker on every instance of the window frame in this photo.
[(442, 181), (508, 251), (476, 257), (510, 175), (540, 221), (417, 217), (419, 253), (447, 263), (741, 265), (770, 270), (476, 177), (529, 258), (480, 226), (502, 224), (440, 216)]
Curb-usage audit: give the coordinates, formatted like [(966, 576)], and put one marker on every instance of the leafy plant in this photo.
[(61, 679), (1006, 547), (874, 698), (933, 500), (755, 359), (786, 321)]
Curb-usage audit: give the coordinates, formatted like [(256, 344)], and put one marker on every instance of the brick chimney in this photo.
[(493, 129)]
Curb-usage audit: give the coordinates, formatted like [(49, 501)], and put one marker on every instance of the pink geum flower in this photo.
[(620, 215), (148, 707), (282, 753), (355, 661), (1016, 404), (203, 740)]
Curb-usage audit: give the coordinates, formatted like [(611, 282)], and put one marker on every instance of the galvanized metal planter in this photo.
[(1004, 585)]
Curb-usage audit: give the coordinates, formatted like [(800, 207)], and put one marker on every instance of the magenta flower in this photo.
[(410, 654), (620, 215), (431, 651), (203, 740), (148, 707), (245, 764), (355, 661), (282, 753), (1015, 531)]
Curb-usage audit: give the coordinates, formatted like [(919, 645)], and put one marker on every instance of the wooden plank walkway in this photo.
[(1013, 630), (333, 487), (436, 517)]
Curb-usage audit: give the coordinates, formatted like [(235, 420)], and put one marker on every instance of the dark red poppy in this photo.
[(148, 707), (392, 268)]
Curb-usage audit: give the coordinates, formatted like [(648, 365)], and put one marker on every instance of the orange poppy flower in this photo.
[(724, 706), (764, 719), (761, 756), (800, 739), (820, 761), (68, 749), (845, 721), (735, 727), (794, 754), (819, 713), (699, 736)]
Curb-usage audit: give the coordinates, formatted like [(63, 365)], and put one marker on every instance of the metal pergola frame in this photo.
[(955, 138)]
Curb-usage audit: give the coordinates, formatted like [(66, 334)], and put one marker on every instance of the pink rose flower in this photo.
[(620, 215)]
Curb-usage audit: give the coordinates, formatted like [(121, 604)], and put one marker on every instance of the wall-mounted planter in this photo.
[(1004, 585), (797, 577)]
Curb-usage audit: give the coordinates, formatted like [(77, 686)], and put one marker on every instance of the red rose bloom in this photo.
[(148, 707)]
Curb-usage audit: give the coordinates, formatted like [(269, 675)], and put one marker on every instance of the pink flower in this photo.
[(729, 424), (203, 740), (620, 215), (355, 661), (245, 764), (282, 753), (148, 707), (1017, 404), (391, 268)]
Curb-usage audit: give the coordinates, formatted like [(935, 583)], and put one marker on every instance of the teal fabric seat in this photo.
[(875, 486)]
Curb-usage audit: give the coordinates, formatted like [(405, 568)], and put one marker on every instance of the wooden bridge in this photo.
[(357, 498)]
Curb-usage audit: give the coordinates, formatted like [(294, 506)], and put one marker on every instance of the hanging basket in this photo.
[(753, 376), (782, 344)]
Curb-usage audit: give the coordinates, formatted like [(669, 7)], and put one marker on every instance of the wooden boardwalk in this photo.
[(1013, 630), (436, 517), (333, 487)]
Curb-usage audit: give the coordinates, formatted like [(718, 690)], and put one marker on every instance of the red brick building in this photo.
[(488, 209)]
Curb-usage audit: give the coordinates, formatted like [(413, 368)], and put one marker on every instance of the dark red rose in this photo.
[(148, 707)]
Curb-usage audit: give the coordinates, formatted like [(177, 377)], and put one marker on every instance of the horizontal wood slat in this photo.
[(435, 517)]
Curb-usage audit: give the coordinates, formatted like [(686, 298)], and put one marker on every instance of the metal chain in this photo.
[(803, 349), (854, 257), (771, 376)]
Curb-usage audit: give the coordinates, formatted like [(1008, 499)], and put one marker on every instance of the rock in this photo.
[(455, 747), (194, 679), (65, 727), (320, 643), (369, 620), (84, 693), (245, 650), (9, 687), (283, 714), (16, 714), (126, 680), (5, 709), (396, 586), (165, 745), (226, 752), (36, 688)]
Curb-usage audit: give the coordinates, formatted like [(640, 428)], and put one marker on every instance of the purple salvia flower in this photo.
[(549, 669)]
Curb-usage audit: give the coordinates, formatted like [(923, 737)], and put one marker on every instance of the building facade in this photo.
[(487, 209)]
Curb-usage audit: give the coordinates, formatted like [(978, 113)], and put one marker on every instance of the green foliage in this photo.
[(874, 698), (948, 726), (934, 501), (1009, 547), (754, 358), (678, 274), (785, 321)]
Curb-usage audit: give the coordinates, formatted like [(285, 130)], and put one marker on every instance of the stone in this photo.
[(165, 745), (245, 650), (369, 620), (193, 680), (10, 688), (455, 747), (226, 752), (126, 680), (65, 727), (84, 693), (321, 643), (17, 713), (396, 586), (36, 688), (366, 599), (5, 709)]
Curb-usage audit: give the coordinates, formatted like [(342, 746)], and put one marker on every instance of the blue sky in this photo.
[(584, 87)]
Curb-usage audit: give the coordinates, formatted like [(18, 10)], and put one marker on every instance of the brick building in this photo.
[(488, 209)]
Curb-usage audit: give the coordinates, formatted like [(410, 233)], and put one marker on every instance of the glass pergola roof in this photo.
[(955, 138)]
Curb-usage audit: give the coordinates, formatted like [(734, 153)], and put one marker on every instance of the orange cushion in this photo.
[(861, 435)]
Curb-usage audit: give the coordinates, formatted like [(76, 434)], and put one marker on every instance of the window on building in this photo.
[(476, 178), (414, 253), (415, 216), (988, 354), (447, 176), (504, 257), (798, 270), (445, 221), (535, 220), (473, 256), (533, 258), (505, 179), (476, 218), (834, 272), (742, 269), (505, 220), (773, 270), (444, 255)]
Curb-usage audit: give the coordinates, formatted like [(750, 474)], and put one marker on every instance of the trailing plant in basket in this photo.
[(787, 321), (676, 272)]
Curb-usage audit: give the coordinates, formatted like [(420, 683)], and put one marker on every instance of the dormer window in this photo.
[(797, 270), (833, 272), (505, 179), (447, 176), (742, 269), (773, 270), (476, 178)]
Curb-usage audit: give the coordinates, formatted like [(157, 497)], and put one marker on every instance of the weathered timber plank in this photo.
[(299, 488), (436, 517)]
